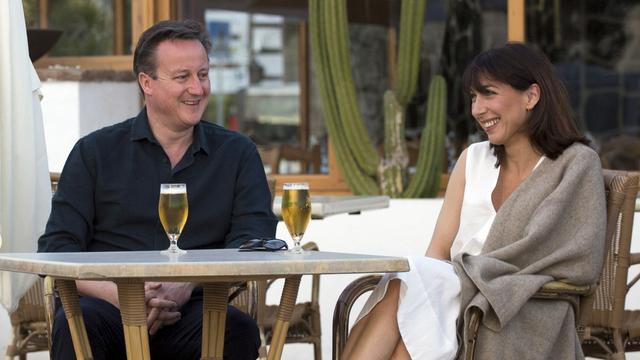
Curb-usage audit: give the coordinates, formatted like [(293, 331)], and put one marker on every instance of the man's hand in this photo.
[(163, 302)]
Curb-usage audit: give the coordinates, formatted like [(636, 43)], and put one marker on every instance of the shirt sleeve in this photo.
[(70, 224), (251, 216)]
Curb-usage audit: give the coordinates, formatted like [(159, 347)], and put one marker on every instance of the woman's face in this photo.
[(501, 110)]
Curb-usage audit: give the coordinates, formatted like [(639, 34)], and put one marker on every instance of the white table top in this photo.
[(196, 264), (323, 206)]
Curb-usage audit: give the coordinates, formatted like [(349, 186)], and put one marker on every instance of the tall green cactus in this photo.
[(426, 181), (364, 170)]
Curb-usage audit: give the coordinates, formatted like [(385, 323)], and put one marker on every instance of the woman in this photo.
[(523, 208)]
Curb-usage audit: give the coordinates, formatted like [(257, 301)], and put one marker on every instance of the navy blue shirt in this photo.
[(107, 197)]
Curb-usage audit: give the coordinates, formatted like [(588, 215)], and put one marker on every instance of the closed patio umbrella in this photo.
[(25, 191)]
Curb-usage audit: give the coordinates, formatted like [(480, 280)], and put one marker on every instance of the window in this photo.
[(595, 47), (89, 28)]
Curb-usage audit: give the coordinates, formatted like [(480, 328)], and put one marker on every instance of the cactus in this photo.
[(358, 180), (426, 181), (364, 170)]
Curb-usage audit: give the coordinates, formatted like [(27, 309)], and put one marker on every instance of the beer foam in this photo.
[(173, 190), (295, 186)]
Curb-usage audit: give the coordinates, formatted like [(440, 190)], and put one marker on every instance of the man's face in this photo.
[(178, 96)]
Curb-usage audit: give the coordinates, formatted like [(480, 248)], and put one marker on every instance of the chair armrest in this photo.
[(562, 290), (343, 309), (565, 288), (310, 246)]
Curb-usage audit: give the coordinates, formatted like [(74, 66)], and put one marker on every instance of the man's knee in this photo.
[(104, 329)]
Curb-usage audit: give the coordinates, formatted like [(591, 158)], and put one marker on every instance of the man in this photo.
[(107, 199)]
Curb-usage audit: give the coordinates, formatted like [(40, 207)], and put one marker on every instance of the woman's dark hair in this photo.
[(144, 54), (551, 126)]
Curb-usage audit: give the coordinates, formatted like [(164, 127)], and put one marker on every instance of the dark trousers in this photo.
[(179, 341)]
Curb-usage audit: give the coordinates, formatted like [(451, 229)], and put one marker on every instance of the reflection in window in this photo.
[(255, 87), (595, 46), (96, 27)]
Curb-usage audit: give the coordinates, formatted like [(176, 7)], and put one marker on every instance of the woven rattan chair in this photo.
[(30, 332), (602, 321), (29, 324), (609, 330)]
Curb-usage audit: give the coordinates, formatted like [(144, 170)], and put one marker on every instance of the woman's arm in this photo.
[(449, 217)]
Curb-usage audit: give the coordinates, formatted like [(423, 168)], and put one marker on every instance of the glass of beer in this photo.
[(173, 208), (296, 211)]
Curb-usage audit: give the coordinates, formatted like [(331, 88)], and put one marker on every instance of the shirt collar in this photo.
[(140, 130)]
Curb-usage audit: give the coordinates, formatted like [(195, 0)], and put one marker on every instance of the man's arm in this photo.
[(105, 290), (252, 215), (163, 300), (70, 223)]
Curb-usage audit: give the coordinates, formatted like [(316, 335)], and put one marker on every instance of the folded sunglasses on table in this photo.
[(263, 244)]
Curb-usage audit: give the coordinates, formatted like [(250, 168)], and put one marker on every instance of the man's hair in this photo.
[(551, 126), (144, 55)]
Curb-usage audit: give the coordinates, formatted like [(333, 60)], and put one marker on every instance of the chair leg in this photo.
[(618, 344), (12, 347), (317, 350), (262, 351)]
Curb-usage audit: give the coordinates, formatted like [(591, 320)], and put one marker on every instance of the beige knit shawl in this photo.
[(552, 227)]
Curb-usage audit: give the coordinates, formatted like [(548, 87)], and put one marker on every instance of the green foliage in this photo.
[(87, 28), (30, 8), (411, 22), (426, 181), (355, 153)]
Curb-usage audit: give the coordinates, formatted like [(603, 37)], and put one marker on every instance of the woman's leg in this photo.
[(377, 335), (400, 352)]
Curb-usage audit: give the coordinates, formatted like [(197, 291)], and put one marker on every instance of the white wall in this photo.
[(72, 109)]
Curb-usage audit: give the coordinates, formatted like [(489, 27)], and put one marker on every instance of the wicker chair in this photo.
[(30, 332), (607, 328), (602, 323), (29, 322)]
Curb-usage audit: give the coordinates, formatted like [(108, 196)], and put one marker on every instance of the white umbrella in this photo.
[(25, 191)]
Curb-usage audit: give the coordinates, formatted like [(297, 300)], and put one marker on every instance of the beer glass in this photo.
[(296, 211), (173, 208)]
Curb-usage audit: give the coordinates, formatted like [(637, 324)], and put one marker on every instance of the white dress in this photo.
[(430, 292)]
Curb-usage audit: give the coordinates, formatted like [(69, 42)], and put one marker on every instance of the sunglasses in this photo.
[(263, 244)]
